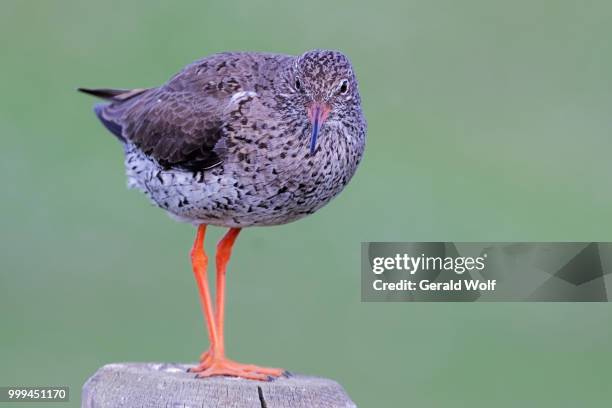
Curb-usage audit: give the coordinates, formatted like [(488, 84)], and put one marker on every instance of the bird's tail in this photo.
[(117, 95)]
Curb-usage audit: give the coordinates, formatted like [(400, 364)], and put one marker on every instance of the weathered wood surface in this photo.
[(133, 385)]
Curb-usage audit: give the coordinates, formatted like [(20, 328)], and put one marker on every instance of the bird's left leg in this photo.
[(199, 262), (218, 363)]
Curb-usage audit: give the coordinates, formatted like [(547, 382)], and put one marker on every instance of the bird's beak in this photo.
[(317, 113)]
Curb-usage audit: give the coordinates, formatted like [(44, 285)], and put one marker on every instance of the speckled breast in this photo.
[(269, 179)]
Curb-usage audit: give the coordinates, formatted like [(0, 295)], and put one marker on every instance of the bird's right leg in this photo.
[(199, 261)]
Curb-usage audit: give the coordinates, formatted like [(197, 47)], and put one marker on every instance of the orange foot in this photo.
[(211, 366)]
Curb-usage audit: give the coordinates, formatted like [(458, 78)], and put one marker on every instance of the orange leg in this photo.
[(199, 262), (214, 362), (224, 252)]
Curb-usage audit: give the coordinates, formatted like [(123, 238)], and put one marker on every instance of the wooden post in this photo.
[(170, 385)]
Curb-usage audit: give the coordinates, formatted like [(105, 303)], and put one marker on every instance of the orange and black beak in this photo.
[(317, 113)]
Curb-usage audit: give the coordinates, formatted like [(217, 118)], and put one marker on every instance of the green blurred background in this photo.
[(488, 120)]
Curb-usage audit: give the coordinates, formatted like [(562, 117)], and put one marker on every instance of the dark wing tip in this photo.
[(112, 94), (102, 93)]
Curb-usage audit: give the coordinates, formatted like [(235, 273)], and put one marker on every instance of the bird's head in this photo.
[(323, 88)]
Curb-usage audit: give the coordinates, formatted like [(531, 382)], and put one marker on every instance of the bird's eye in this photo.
[(344, 86), (298, 84)]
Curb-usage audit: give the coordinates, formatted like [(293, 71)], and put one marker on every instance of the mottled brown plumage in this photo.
[(180, 123)]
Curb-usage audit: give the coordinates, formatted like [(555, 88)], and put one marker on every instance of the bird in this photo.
[(237, 140)]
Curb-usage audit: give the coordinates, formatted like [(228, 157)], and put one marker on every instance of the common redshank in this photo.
[(239, 139)]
